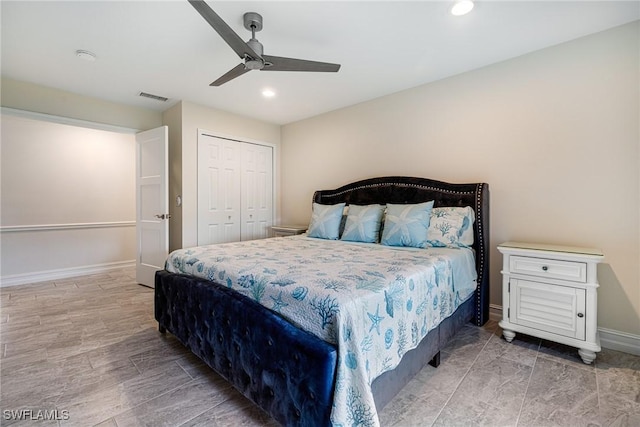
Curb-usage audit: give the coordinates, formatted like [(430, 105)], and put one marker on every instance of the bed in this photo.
[(327, 366)]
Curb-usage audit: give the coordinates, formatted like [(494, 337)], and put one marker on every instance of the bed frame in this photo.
[(288, 372)]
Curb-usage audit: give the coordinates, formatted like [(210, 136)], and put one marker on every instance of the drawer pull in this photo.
[(580, 315), (545, 268)]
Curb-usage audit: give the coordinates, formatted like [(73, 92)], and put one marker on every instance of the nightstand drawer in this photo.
[(550, 268)]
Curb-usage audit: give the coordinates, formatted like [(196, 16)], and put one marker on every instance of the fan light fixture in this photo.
[(462, 7)]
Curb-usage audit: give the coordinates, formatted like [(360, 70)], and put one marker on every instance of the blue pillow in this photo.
[(407, 225), (325, 221), (363, 223)]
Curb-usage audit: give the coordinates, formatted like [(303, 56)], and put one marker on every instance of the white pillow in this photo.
[(451, 227)]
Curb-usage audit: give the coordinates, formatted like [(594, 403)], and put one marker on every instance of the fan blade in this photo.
[(225, 31), (236, 71), (278, 63)]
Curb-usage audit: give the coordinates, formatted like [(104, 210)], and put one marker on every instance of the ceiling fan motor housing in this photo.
[(253, 21), (256, 46), (254, 63)]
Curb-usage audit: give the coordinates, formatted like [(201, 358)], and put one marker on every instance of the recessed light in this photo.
[(268, 93), (462, 7), (86, 55)]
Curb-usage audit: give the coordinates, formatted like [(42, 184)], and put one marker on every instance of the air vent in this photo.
[(152, 96)]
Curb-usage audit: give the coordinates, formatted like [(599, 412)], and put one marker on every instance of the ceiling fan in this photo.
[(252, 52)]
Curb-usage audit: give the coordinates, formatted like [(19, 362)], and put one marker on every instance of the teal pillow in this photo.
[(407, 225), (325, 221), (363, 223)]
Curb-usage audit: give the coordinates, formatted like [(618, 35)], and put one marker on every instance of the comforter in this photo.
[(373, 302)]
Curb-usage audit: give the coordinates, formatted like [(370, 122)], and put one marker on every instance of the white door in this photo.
[(257, 191), (219, 162), (152, 204)]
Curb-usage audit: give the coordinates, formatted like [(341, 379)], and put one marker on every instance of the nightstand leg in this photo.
[(508, 335), (587, 356)]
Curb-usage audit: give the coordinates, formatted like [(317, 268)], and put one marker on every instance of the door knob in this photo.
[(163, 216)]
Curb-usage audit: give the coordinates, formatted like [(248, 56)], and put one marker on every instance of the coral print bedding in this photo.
[(374, 302)]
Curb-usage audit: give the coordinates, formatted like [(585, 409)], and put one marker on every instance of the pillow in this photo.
[(451, 226), (363, 223), (325, 221), (406, 225)]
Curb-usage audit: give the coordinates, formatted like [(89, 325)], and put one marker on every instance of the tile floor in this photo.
[(89, 348)]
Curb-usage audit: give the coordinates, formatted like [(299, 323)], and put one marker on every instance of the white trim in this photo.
[(62, 273), (66, 120), (72, 226), (621, 341), (609, 338)]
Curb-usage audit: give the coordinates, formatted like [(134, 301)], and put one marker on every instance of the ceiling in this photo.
[(166, 48)]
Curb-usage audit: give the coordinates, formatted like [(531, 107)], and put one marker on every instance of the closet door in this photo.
[(257, 191), (219, 176)]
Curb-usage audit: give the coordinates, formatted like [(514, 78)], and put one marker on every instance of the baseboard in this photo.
[(621, 341), (609, 338), (63, 273)]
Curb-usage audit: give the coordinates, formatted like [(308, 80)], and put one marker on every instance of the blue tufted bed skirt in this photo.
[(284, 370)]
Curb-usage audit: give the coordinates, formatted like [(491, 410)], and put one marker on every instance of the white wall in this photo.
[(68, 198), (555, 133)]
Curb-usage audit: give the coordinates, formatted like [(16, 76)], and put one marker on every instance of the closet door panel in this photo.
[(218, 190), (257, 191)]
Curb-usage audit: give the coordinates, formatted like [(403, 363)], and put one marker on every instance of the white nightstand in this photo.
[(550, 292), (287, 230)]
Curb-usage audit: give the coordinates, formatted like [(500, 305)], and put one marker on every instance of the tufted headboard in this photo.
[(402, 189)]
